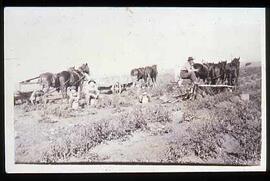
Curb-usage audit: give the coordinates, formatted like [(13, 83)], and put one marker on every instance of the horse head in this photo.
[(84, 68), (236, 60), (71, 68), (222, 64), (154, 67), (134, 72)]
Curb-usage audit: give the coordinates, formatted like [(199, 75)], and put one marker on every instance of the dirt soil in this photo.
[(120, 129)]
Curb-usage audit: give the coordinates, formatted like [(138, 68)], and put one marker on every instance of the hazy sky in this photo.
[(114, 40)]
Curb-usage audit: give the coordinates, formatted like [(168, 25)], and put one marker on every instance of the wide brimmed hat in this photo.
[(92, 80), (190, 58)]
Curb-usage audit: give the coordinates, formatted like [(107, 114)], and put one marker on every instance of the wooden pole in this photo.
[(29, 83), (29, 79), (228, 86)]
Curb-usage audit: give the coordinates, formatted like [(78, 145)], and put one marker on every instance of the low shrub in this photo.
[(228, 116), (78, 140)]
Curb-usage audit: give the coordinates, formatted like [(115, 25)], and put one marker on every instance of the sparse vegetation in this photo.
[(217, 120), (214, 129), (78, 140)]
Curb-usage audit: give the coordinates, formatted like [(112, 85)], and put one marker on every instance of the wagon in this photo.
[(25, 91)]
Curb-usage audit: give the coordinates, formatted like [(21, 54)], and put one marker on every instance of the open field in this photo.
[(219, 129)]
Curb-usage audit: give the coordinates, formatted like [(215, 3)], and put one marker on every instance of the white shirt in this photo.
[(187, 67)]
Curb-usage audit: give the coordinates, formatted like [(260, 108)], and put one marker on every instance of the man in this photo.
[(144, 98), (73, 97), (91, 91), (36, 96), (188, 72)]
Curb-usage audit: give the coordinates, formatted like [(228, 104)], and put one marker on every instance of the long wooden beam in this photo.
[(29, 80), (228, 86), (29, 83)]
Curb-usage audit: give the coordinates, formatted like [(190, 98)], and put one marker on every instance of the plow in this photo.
[(192, 91)]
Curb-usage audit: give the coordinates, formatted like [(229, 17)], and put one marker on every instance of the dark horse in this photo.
[(211, 73), (151, 72), (203, 71), (232, 71), (138, 74), (216, 72), (62, 80), (145, 73), (47, 80), (72, 77)]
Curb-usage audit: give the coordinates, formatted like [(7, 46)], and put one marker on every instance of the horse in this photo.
[(137, 74), (203, 71), (144, 73), (217, 72), (231, 74), (47, 80), (151, 73), (222, 65), (72, 77), (232, 71), (236, 63)]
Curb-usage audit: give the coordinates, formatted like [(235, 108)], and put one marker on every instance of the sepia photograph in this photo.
[(134, 89)]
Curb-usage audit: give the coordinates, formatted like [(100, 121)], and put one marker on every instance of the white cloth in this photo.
[(86, 77), (90, 89), (187, 66)]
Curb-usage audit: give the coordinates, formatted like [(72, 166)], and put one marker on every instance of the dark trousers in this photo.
[(184, 74)]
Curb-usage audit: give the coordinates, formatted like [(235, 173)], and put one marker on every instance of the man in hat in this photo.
[(187, 71)]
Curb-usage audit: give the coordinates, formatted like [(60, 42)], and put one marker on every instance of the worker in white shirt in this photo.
[(188, 72), (73, 97), (36, 96), (91, 91)]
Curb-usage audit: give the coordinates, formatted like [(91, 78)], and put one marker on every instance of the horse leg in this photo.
[(230, 79), (153, 81), (87, 97), (45, 87), (64, 92), (80, 90)]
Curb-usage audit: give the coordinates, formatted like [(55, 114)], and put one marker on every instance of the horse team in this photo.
[(67, 81), (219, 73)]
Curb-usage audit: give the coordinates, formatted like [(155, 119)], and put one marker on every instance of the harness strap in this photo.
[(77, 73)]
